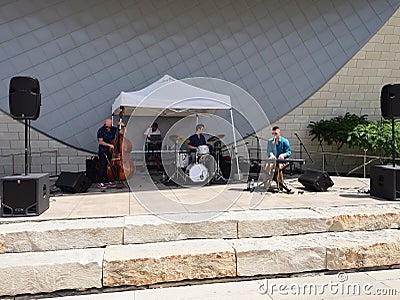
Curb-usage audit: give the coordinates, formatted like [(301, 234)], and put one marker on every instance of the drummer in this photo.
[(195, 141)]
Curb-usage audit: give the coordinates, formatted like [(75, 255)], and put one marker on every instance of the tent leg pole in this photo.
[(235, 145)]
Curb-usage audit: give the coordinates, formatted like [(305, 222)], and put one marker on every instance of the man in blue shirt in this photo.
[(278, 148)]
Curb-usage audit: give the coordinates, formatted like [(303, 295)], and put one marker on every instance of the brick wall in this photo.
[(355, 88), (48, 156)]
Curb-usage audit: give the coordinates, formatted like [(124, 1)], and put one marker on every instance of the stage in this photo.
[(147, 195)]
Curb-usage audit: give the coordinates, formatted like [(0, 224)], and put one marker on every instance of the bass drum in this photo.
[(198, 173)]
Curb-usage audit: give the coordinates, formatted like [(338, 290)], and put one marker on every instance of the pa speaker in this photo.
[(315, 180), (390, 101), (24, 97), (92, 169), (385, 182), (70, 182), (25, 195)]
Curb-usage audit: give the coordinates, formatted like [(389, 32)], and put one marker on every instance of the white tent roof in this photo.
[(171, 97)]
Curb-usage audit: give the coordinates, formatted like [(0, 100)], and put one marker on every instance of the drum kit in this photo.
[(205, 169)]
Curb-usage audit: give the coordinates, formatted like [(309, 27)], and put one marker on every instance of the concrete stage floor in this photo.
[(150, 196)]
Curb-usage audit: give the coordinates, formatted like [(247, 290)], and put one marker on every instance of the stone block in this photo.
[(45, 272), (2, 246), (150, 229), (62, 234), (264, 223), (279, 255), (144, 264), (353, 250), (361, 217)]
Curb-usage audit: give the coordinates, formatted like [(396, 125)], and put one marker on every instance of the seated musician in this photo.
[(153, 143), (195, 141), (278, 148)]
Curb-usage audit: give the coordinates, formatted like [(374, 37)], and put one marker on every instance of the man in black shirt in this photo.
[(195, 141), (105, 136)]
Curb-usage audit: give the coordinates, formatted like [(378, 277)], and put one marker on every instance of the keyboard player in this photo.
[(278, 148)]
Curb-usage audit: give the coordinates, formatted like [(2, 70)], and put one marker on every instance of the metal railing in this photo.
[(14, 156), (367, 160)]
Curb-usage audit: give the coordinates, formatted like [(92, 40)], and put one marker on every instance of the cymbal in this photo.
[(216, 138), (175, 138), (186, 141)]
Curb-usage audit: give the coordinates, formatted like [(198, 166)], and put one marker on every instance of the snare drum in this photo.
[(202, 150), (198, 173), (183, 160)]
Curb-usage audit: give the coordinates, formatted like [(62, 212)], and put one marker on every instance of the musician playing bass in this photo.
[(106, 137), (278, 148)]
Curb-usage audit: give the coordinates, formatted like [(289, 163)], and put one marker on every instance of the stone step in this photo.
[(61, 234), (145, 264), (37, 236), (173, 261), (316, 252), (45, 272)]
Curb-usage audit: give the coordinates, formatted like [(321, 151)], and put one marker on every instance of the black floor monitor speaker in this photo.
[(315, 180), (70, 182), (385, 182), (25, 195), (24, 97), (390, 101)]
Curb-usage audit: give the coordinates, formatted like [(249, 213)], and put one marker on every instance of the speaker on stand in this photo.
[(385, 179), (28, 194), (24, 102)]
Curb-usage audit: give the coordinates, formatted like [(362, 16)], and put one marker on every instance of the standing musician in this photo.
[(195, 141), (106, 136), (278, 148)]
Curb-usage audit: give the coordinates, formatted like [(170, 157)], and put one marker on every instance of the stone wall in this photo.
[(355, 88), (48, 155)]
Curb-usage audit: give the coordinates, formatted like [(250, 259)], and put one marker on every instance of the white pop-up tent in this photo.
[(170, 97)]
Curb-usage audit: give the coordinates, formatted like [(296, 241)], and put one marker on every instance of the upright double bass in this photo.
[(121, 167)]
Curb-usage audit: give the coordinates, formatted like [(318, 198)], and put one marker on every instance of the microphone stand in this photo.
[(302, 146)]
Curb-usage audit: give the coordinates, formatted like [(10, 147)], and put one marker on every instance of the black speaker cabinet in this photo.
[(315, 180), (92, 169), (70, 182), (25, 195), (24, 97), (390, 101), (385, 182)]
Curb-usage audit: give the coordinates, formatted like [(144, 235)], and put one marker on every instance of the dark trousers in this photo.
[(103, 162)]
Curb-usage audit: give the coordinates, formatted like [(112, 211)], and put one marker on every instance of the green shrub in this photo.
[(335, 130)]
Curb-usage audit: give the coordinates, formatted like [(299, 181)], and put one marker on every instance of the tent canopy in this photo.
[(170, 97)]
